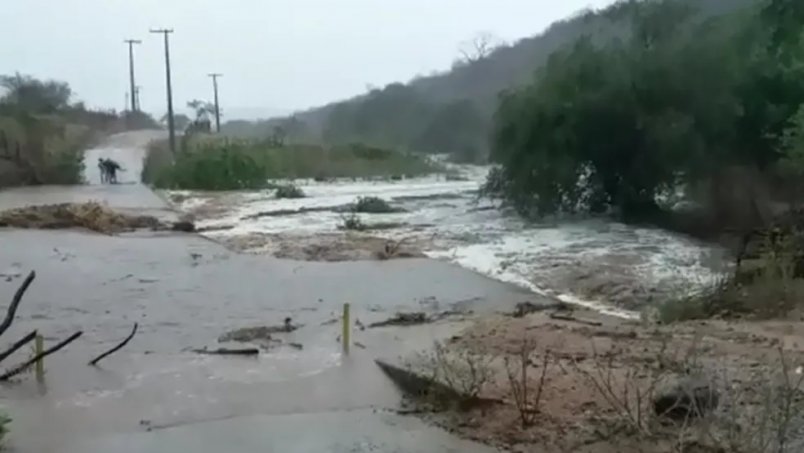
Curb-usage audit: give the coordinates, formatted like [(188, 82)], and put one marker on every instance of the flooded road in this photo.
[(185, 291)]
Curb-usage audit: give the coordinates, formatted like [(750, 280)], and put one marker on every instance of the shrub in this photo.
[(453, 375), (211, 163), (526, 394), (205, 167), (373, 205), (289, 191), (353, 222)]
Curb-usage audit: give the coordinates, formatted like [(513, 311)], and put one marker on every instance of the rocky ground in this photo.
[(594, 383)]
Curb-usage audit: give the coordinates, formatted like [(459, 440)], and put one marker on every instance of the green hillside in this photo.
[(452, 112)]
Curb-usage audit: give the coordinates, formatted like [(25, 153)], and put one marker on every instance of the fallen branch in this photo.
[(574, 319), (116, 348), (24, 366), (224, 351), (25, 340), (15, 302)]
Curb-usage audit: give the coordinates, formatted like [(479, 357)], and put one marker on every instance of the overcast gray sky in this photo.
[(277, 55)]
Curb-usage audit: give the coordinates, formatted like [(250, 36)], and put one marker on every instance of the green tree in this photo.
[(34, 95), (614, 126)]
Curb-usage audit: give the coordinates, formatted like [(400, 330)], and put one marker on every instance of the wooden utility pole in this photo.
[(171, 127), (131, 43), (137, 98), (217, 105)]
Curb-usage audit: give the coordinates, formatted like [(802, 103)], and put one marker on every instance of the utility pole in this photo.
[(137, 97), (217, 105), (171, 128), (131, 43)]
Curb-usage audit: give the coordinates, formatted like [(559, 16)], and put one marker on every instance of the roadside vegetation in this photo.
[(210, 163), (708, 100), (541, 383), (43, 131), (680, 99)]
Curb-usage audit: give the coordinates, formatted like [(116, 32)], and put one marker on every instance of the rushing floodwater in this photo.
[(606, 265)]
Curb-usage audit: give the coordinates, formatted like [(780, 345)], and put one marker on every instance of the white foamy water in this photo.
[(601, 264)]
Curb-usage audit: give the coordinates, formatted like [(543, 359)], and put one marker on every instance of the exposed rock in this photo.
[(686, 397)]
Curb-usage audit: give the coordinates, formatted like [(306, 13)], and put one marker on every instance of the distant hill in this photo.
[(452, 112)]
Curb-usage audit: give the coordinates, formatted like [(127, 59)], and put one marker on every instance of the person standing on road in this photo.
[(104, 174), (111, 170)]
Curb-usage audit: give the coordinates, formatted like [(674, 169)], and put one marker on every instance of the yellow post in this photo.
[(346, 328), (40, 364)]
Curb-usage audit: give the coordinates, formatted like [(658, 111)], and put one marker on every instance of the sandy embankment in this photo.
[(603, 374)]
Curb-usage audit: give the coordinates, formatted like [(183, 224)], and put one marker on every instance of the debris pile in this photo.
[(91, 215)]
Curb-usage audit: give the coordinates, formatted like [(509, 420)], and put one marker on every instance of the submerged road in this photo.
[(184, 291)]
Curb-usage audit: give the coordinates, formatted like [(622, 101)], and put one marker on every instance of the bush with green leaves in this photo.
[(204, 167), (610, 125), (212, 163)]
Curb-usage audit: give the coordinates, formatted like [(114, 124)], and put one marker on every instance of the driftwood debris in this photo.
[(25, 340), (226, 351), (24, 366), (15, 302), (402, 319), (119, 346), (523, 309), (568, 318)]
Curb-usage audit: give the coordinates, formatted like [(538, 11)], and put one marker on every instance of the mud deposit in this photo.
[(92, 216)]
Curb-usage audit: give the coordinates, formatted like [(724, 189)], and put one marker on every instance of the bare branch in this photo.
[(24, 366), (15, 302), (226, 351), (116, 348), (479, 47), (25, 340)]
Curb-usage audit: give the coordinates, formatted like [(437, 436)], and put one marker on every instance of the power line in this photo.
[(217, 105), (131, 43), (171, 127)]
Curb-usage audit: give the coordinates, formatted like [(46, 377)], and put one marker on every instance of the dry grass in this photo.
[(455, 377), (635, 388), (526, 394)]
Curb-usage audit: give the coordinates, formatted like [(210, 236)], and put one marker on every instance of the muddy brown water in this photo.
[(185, 291)]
